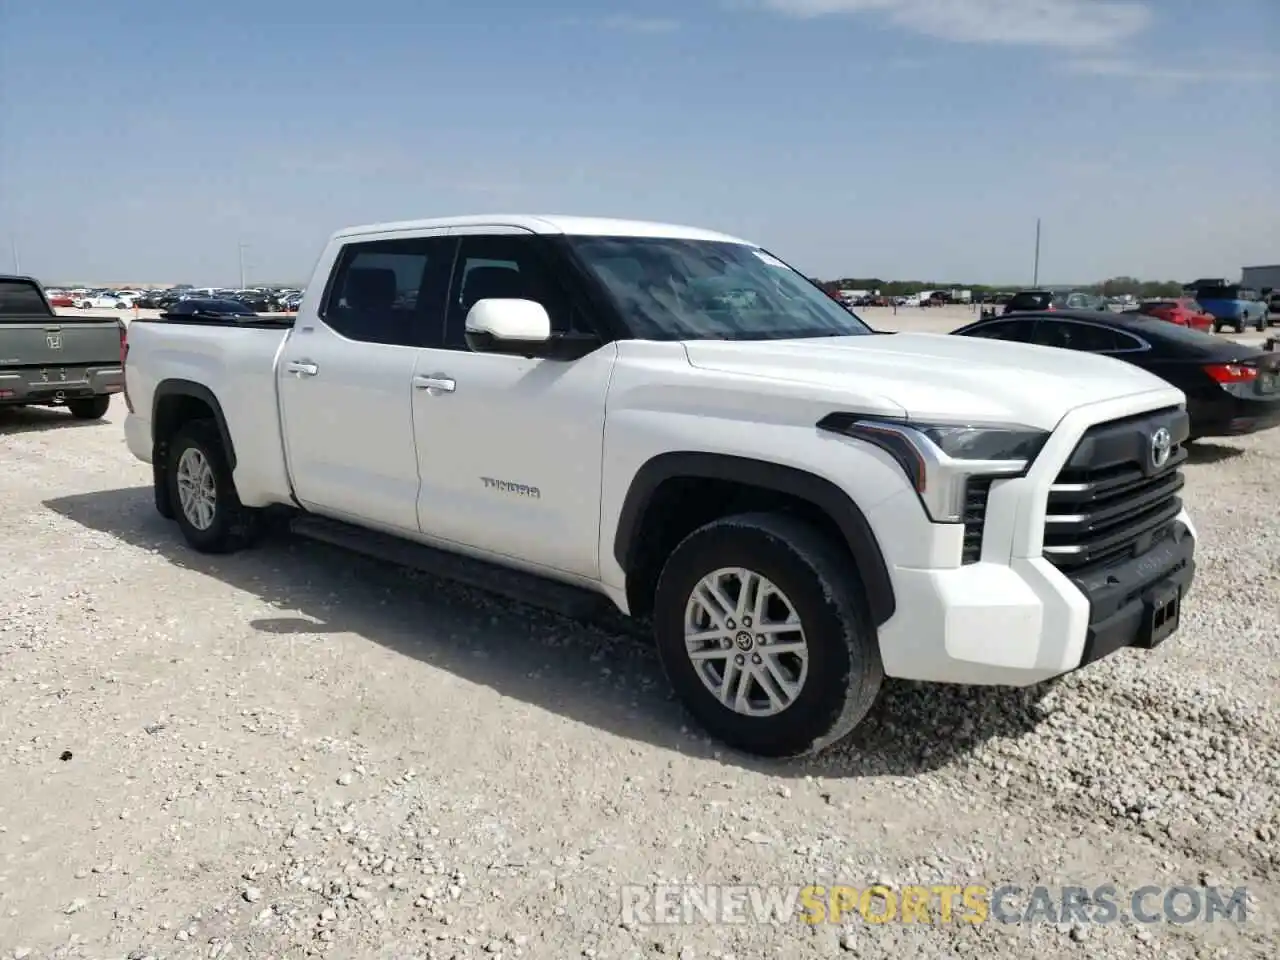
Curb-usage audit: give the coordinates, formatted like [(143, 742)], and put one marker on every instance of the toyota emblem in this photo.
[(1161, 447)]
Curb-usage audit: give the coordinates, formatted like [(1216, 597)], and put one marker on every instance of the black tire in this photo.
[(160, 487), (1239, 326), (234, 525), (844, 668), (95, 408)]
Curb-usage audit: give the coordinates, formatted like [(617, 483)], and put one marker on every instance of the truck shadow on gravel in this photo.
[(1203, 451), (604, 674), (15, 420)]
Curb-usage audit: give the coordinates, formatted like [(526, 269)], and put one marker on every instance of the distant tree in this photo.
[(1121, 286)]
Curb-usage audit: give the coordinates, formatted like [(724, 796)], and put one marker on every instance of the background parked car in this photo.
[(203, 307), (103, 301), (1183, 312), (1040, 300), (1233, 306), (1231, 388)]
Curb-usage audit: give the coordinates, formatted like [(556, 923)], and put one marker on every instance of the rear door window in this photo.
[(1021, 331), (21, 298), (1079, 336), (391, 291)]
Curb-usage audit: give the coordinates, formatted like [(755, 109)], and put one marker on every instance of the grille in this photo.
[(1109, 503), (975, 517)]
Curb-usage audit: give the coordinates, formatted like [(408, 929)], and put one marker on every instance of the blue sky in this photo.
[(143, 140)]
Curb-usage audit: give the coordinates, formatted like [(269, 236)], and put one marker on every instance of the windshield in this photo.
[(669, 289), (1218, 293)]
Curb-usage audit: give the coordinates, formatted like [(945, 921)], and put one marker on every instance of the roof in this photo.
[(1133, 322), (1105, 317), (577, 226)]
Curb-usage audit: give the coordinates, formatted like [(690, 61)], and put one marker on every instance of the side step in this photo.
[(561, 598)]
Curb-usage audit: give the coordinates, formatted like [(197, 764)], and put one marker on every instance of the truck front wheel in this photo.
[(763, 630), (208, 510)]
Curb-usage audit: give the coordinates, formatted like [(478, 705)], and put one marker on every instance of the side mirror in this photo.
[(522, 328), (508, 326)]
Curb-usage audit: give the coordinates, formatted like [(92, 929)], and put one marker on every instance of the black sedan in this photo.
[(207, 308), (1231, 388)]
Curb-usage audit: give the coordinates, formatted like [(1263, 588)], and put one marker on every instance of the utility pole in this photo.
[(243, 247), (17, 264), (1035, 277)]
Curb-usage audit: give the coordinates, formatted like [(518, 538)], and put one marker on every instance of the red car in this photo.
[(1184, 312), (61, 300)]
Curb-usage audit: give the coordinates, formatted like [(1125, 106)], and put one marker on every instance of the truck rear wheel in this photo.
[(203, 494), (95, 408), (763, 630)]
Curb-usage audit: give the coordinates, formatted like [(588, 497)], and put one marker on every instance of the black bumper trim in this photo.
[(1121, 596)]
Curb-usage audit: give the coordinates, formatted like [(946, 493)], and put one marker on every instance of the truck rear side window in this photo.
[(19, 298), (390, 291)]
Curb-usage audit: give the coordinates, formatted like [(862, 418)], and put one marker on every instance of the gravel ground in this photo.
[(292, 752)]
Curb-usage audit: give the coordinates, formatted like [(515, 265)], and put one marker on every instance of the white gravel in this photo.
[(291, 752)]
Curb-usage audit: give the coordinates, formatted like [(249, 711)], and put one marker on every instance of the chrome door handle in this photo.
[(302, 368), (442, 384)]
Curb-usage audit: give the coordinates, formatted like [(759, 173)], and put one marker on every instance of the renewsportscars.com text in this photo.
[(940, 903)]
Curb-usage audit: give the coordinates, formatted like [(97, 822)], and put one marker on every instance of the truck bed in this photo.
[(235, 364)]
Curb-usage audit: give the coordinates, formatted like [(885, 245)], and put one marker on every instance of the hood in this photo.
[(938, 376)]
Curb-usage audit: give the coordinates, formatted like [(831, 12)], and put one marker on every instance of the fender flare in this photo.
[(198, 391), (822, 493)]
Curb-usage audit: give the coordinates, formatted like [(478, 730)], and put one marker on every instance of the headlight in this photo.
[(985, 443), (939, 458)]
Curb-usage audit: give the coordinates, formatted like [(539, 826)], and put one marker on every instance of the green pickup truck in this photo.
[(52, 361)]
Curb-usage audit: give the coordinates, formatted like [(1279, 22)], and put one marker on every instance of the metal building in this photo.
[(1261, 278)]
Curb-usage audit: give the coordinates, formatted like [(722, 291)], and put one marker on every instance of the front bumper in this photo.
[(1015, 618), (1127, 602)]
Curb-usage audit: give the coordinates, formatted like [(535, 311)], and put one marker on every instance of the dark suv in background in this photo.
[(1036, 301)]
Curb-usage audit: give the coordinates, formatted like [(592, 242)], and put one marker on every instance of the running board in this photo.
[(561, 598)]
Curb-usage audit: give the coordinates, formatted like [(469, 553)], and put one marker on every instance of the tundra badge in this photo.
[(506, 486)]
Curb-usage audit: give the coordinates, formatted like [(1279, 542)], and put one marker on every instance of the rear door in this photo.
[(346, 374)]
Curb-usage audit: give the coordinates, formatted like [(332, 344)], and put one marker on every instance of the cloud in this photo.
[(1057, 23), (1119, 67)]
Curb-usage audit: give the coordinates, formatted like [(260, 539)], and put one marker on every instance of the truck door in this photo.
[(346, 375), (509, 447)]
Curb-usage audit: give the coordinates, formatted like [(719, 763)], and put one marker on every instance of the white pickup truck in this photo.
[(676, 422)]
